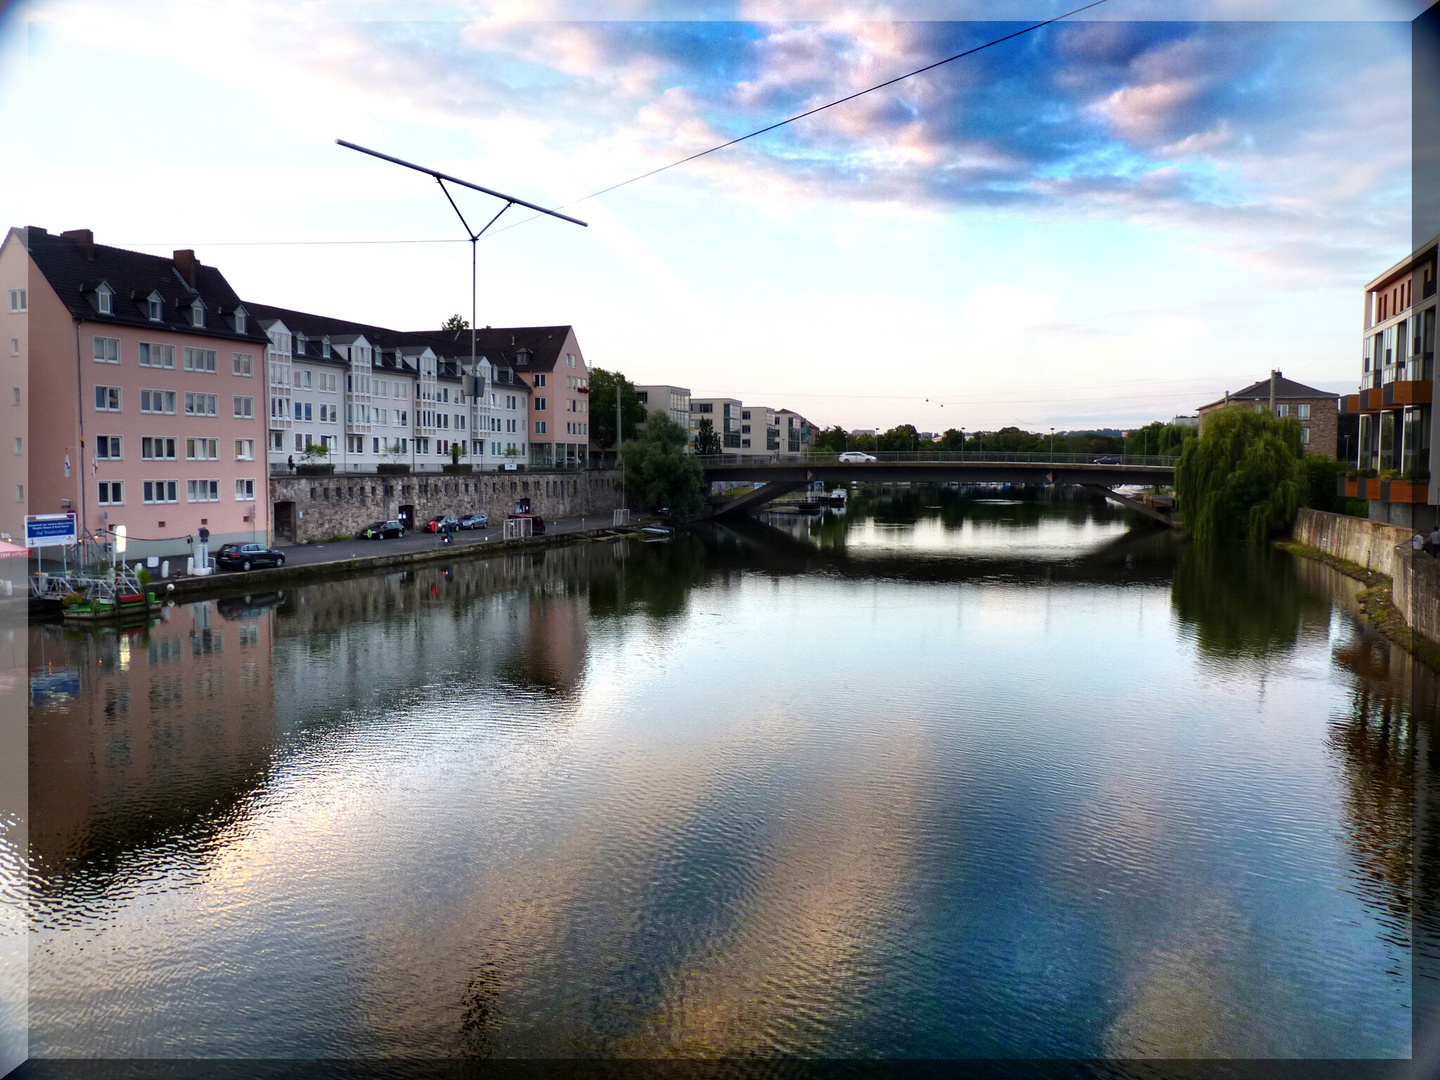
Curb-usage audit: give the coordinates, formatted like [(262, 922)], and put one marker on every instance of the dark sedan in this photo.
[(247, 557), (382, 530)]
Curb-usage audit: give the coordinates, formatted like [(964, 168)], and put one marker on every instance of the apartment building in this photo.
[(133, 394), (759, 431), (724, 416), (797, 435), (1316, 410), (672, 401), (1395, 404), (548, 359)]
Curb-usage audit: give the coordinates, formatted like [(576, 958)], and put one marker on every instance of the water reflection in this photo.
[(780, 789)]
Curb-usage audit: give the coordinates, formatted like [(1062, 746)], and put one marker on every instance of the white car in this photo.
[(856, 455)]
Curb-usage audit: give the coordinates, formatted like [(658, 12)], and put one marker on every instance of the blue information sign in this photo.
[(46, 530)]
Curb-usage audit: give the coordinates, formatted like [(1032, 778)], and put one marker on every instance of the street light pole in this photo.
[(510, 200)]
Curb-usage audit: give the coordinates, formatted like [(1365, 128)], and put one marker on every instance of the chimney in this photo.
[(84, 240), (1273, 376), (185, 262)]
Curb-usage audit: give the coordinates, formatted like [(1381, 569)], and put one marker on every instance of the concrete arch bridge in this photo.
[(782, 474)]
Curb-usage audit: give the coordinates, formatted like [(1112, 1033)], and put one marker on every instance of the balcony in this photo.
[(1392, 395), (1390, 491)]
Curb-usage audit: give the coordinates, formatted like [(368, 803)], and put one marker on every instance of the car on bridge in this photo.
[(1110, 459), (856, 455)]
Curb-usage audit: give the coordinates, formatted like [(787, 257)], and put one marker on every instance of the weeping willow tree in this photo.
[(1242, 478)]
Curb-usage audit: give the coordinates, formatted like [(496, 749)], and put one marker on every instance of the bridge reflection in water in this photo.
[(526, 805)]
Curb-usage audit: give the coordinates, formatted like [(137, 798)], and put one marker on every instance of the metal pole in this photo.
[(618, 439)]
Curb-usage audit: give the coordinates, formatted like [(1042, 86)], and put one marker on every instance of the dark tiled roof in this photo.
[(1285, 390), (75, 269), (543, 343)]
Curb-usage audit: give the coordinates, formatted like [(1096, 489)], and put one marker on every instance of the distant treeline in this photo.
[(1156, 438)]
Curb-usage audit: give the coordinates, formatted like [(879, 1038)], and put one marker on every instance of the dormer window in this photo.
[(325, 346), (155, 307), (299, 344), (240, 320), (104, 300), (197, 314)]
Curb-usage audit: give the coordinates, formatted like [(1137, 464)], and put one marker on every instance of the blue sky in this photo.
[(1103, 222)]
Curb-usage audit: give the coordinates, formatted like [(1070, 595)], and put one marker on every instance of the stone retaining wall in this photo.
[(1415, 589), (1370, 544), (311, 508)]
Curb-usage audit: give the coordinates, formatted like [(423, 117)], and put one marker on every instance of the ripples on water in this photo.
[(936, 778)]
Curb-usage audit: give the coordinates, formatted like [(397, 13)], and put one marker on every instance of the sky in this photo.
[(1107, 221)]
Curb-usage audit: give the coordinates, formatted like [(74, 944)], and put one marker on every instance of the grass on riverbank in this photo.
[(1377, 602)]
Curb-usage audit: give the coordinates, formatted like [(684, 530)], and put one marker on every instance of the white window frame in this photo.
[(197, 314), (195, 493), (149, 350), (201, 360), (244, 407), (155, 308), (105, 495), (109, 443), (163, 397), (111, 393), (244, 449), (201, 404), (242, 365), (1303, 411), (105, 300), (107, 350), (209, 449), (244, 489), (169, 447), (19, 301), (168, 490)]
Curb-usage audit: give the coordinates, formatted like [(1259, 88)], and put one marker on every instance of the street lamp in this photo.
[(510, 200)]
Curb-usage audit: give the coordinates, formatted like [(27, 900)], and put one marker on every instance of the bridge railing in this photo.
[(977, 457)]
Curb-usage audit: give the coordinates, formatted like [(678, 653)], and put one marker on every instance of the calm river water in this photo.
[(938, 777)]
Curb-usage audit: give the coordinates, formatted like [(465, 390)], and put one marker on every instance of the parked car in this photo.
[(247, 556), (537, 523), (856, 455), (380, 530), (439, 521), (1109, 459), (474, 521)]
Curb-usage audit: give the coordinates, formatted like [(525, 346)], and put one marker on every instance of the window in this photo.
[(201, 405), (156, 308), (158, 401), (19, 492), (107, 448), (197, 314), (1259, 406), (245, 449), (539, 404), (569, 359), (244, 408), (157, 448), (1305, 436), (242, 364), (202, 490), (539, 378), (112, 493), (19, 445), (244, 490), (107, 398), (539, 427), (17, 300), (277, 441), (161, 491), (240, 321), (14, 346), (300, 344), (103, 300), (202, 449), (1282, 410), (153, 355), (1303, 411), (107, 350), (705, 407), (200, 359)]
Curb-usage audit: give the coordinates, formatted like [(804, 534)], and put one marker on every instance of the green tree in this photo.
[(455, 322), (707, 439), (832, 440), (902, 438), (1243, 477), (1322, 476), (863, 441), (953, 439), (1159, 438), (656, 466), (602, 407)]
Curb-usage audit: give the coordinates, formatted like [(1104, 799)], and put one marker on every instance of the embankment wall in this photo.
[(310, 508), (1370, 544), (1415, 590)]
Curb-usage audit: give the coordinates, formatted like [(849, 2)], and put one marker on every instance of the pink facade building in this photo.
[(141, 382)]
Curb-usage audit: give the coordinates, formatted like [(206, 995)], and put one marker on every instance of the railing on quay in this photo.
[(963, 457)]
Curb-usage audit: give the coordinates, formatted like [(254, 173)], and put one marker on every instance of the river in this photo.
[(941, 776)]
